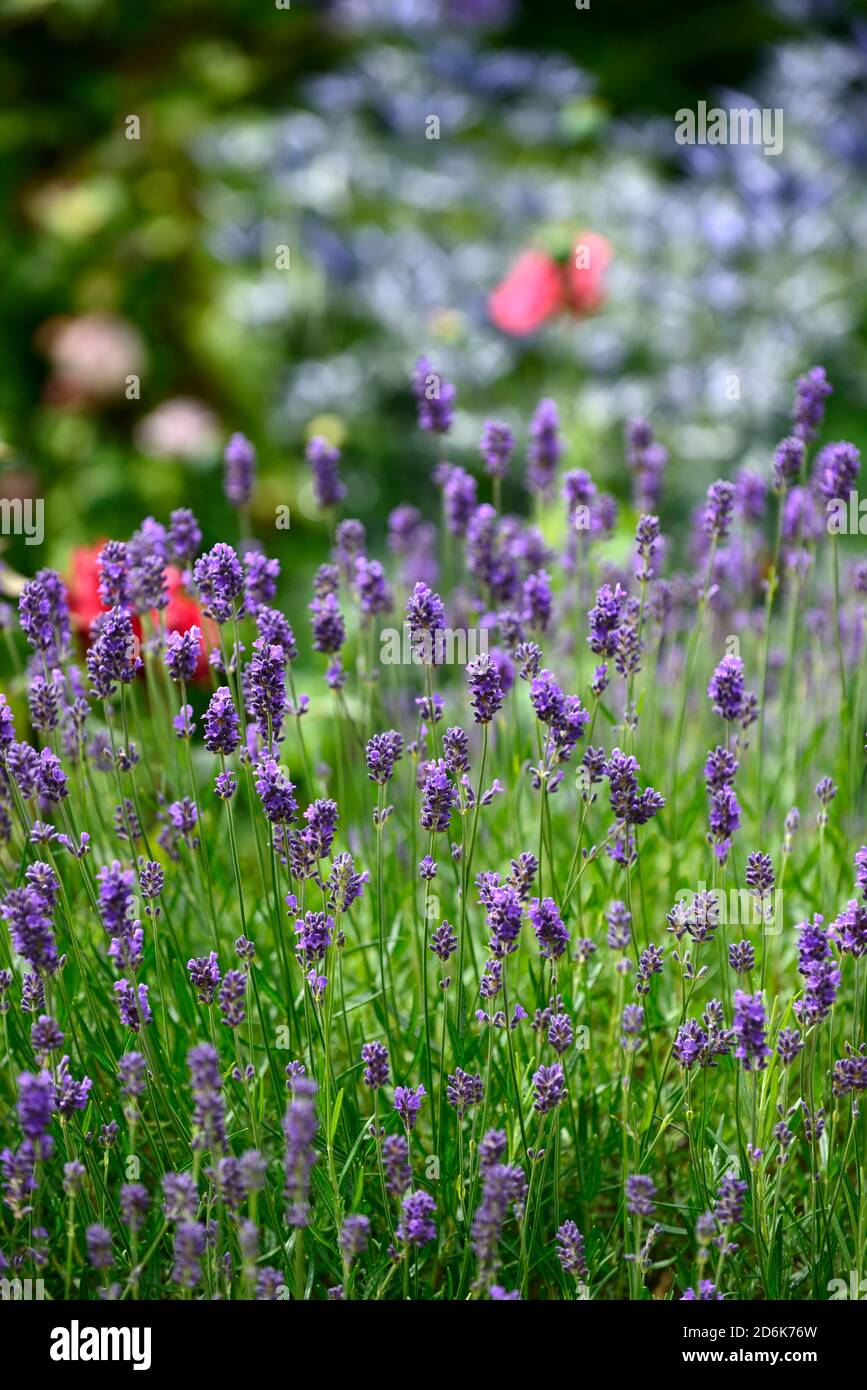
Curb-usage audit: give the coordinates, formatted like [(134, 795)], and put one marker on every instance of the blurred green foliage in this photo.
[(109, 269)]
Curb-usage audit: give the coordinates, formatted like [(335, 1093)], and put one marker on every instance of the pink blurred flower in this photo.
[(530, 294), (91, 358), (585, 289), (180, 428), (537, 286)]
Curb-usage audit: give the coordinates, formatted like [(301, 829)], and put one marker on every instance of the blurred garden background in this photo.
[(285, 234)]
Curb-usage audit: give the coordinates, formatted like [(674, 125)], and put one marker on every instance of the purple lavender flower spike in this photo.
[(717, 516), (324, 460), (808, 412), (329, 629), (184, 535), (463, 1091), (374, 592), (726, 688), (788, 460), (407, 1103), (299, 1129), (209, 1115), (549, 1085), (275, 792), (222, 727), (182, 653), (570, 1250), (605, 618), (750, 1031), (383, 751), (395, 1163), (495, 447), (551, 934), (375, 1058), (132, 1005), (416, 1226), (486, 694), (239, 470), (439, 797), (836, 472), (112, 565), (640, 1194), (435, 398), (112, 657), (545, 447)]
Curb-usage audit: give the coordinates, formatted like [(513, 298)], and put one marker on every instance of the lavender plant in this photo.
[(532, 974)]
